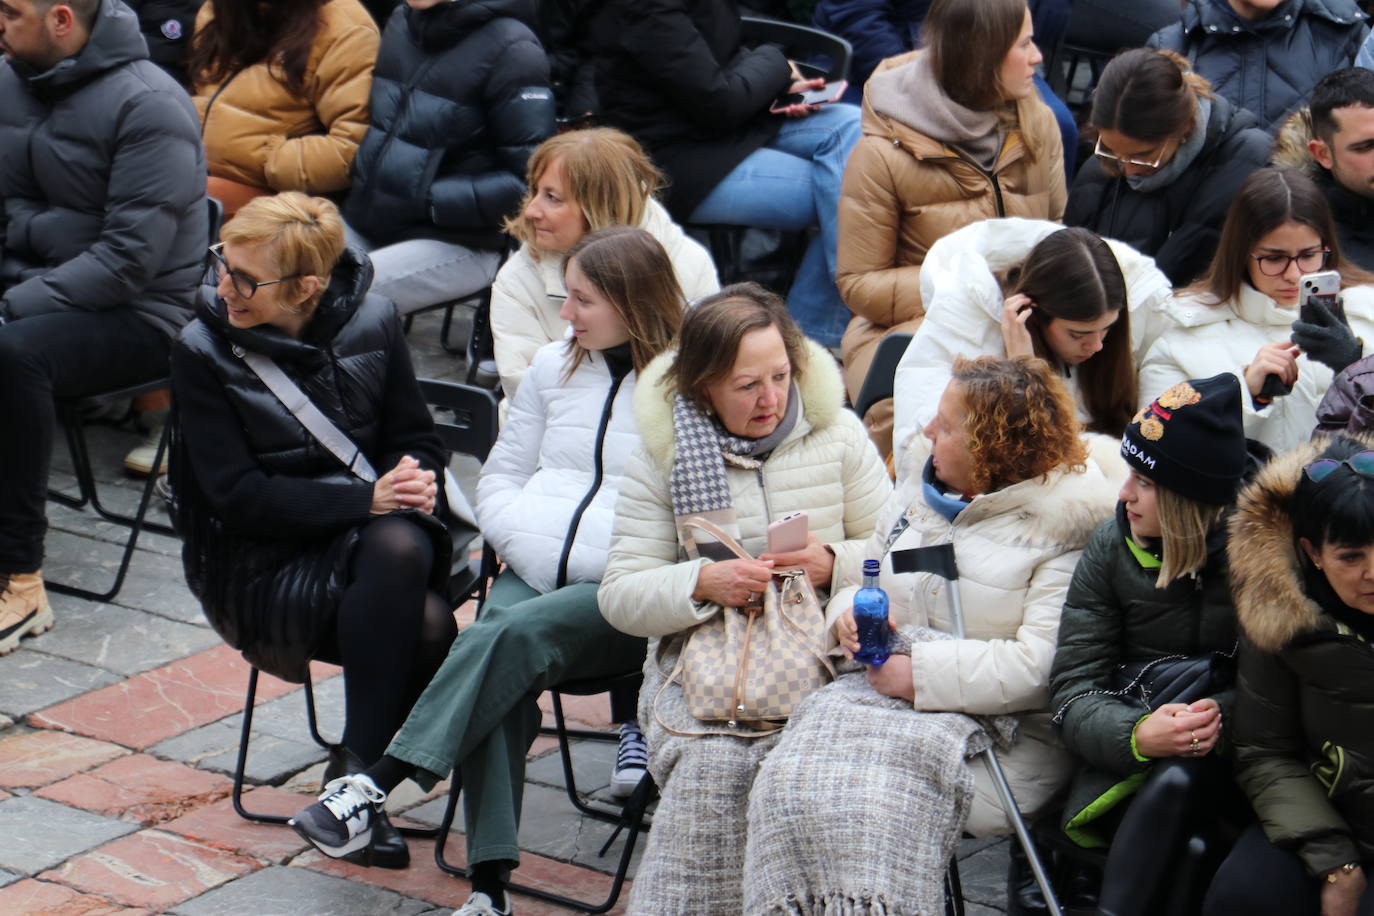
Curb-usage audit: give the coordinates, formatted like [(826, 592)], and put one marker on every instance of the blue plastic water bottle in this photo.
[(870, 614)]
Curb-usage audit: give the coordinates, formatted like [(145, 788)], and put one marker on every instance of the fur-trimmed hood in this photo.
[(1266, 565), (820, 385)]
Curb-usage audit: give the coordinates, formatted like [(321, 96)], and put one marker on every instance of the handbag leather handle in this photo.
[(719, 534)]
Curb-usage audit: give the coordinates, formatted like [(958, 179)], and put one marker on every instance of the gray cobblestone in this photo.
[(40, 834)]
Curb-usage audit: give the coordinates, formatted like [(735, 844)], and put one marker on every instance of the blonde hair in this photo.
[(305, 233), (1184, 525), (605, 172)]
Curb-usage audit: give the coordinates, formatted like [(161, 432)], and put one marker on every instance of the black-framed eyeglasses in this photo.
[(1276, 265), (1102, 152), (244, 285), (1361, 463)]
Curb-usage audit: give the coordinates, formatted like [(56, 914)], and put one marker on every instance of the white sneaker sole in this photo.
[(334, 852), (624, 784), (40, 622)]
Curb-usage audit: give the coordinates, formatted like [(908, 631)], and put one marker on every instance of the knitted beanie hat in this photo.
[(1191, 440)]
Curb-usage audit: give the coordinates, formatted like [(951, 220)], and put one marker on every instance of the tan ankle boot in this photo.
[(24, 608)]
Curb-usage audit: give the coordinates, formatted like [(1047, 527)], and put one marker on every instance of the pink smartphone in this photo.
[(787, 533), (824, 95)]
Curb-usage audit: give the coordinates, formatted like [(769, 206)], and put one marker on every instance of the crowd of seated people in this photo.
[(1135, 410)]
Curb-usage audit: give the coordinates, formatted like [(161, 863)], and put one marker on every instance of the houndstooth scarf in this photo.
[(698, 481)]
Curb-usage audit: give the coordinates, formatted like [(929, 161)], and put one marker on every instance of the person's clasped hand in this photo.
[(799, 85), (733, 583), (1327, 338), (1180, 730), (406, 486), (1279, 358)]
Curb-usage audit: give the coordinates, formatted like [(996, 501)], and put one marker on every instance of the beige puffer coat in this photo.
[(1016, 549), (826, 467), (903, 191), (257, 132)]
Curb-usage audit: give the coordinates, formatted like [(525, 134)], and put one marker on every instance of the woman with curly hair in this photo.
[(1009, 482)]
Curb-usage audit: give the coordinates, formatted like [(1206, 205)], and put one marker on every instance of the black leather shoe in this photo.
[(1023, 894), (388, 848)]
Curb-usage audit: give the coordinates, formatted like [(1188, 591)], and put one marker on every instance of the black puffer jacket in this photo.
[(167, 26), (1179, 224), (1114, 615), (671, 73), (1267, 67), (102, 183), (460, 98), (1304, 722), (268, 516)]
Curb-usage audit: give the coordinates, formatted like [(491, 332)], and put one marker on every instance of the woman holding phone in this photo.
[(1242, 315)]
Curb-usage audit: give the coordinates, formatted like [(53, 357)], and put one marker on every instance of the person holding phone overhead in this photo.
[(1242, 315)]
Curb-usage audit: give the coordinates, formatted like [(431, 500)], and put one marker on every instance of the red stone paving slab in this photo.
[(41, 898), (144, 709), (140, 788), (424, 880), (39, 758), (218, 825), (152, 868)]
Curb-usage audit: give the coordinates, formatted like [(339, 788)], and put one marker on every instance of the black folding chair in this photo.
[(880, 381)]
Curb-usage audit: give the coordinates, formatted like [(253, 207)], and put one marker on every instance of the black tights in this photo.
[(393, 633)]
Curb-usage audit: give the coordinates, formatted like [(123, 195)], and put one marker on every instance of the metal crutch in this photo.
[(939, 560)]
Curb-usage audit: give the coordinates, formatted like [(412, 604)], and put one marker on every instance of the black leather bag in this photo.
[(1175, 678)]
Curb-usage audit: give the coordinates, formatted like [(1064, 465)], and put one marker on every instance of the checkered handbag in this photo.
[(748, 668)]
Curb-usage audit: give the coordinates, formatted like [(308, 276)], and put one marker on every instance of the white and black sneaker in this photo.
[(341, 821), (631, 762), (479, 904)]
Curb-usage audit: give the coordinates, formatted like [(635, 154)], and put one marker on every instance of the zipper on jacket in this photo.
[(401, 111), (989, 175), (597, 474), (767, 510), (205, 118)]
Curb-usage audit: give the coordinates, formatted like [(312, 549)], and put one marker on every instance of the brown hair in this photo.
[(1019, 420), (1267, 199), (1148, 95), (630, 268), (242, 33), (306, 235), (711, 332), (606, 173), (967, 40), (1072, 274)]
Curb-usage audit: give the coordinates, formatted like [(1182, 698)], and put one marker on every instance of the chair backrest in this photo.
[(817, 53), (882, 372), (473, 426)]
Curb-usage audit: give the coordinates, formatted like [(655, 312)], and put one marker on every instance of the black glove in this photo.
[(1326, 338)]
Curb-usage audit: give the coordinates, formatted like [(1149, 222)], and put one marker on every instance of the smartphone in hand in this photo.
[(788, 533), (830, 92)]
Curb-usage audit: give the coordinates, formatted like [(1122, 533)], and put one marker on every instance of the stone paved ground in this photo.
[(118, 736)]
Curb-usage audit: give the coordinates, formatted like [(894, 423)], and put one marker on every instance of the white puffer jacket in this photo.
[(826, 467), (964, 311), (546, 463), (528, 293), (1207, 340), (1015, 550)]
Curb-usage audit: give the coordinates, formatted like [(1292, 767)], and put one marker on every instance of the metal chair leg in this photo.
[(246, 734), (954, 890), (561, 731), (136, 524)]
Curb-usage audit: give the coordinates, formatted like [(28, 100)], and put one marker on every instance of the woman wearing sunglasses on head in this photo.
[(1302, 565), (1243, 314), (1169, 156)]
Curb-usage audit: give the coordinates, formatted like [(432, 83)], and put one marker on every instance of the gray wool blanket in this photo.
[(858, 809)]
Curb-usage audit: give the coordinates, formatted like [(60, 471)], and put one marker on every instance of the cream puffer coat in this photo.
[(963, 302), (528, 294), (563, 442), (1015, 549), (258, 132), (904, 190), (1208, 339), (826, 467)]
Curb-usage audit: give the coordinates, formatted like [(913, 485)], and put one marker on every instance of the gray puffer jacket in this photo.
[(102, 182), (1268, 66)]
